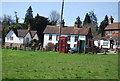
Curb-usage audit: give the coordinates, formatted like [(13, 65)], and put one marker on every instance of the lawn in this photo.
[(18, 64)]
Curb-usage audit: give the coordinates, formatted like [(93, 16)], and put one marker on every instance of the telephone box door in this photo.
[(62, 44)]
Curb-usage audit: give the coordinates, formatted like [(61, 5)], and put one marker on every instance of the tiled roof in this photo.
[(22, 32), (33, 33), (69, 30), (113, 26), (113, 36)]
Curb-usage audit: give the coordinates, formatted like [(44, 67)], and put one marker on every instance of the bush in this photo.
[(50, 47)]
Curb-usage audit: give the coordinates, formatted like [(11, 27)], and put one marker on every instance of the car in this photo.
[(73, 50)]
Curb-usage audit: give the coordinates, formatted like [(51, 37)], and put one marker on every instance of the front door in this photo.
[(111, 44)]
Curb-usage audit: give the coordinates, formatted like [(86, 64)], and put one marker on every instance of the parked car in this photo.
[(73, 50)]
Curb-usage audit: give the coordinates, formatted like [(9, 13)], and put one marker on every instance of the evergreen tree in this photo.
[(16, 17), (93, 17), (87, 20), (102, 26), (28, 15), (78, 21), (91, 21), (39, 23)]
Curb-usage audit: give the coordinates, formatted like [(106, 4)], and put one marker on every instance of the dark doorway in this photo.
[(111, 44)]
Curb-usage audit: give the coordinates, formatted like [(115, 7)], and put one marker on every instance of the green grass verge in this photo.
[(18, 64)]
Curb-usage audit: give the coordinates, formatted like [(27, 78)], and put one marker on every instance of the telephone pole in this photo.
[(61, 18)]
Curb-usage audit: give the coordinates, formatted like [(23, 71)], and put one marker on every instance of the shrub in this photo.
[(50, 47)]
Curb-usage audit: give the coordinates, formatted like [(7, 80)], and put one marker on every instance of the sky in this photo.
[(71, 10)]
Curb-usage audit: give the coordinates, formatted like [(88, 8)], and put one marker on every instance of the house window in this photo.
[(105, 43), (11, 38), (68, 39), (76, 38), (109, 32), (68, 46), (27, 39), (57, 37), (75, 45), (50, 37)]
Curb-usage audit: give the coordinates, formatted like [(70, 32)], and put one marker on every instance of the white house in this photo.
[(73, 34), (18, 37)]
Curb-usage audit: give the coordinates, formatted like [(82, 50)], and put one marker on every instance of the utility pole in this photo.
[(78, 42), (61, 18)]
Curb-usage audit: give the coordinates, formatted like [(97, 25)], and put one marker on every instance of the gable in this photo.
[(11, 33), (36, 36)]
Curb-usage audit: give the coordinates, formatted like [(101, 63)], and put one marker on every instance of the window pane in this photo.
[(68, 39), (50, 37), (76, 38), (57, 36)]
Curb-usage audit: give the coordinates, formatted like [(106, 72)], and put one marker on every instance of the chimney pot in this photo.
[(111, 19)]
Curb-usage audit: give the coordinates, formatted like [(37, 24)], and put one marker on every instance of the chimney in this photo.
[(29, 28), (77, 25), (111, 19), (62, 23)]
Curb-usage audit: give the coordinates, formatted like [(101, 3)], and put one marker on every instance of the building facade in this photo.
[(19, 37), (111, 39), (73, 34)]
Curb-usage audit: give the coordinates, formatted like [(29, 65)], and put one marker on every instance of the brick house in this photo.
[(111, 39)]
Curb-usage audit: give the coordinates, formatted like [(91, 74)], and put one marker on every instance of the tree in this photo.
[(7, 20), (54, 18), (91, 21), (102, 26), (28, 15), (93, 17), (87, 20), (39, 23), (78, 21), (14, 26), (16, 17)]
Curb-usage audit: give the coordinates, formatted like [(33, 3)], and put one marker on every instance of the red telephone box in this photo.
[(62, 44)]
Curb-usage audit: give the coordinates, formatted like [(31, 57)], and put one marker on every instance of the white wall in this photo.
[(101, 43), (27, 36), (36, 37), (15, 38), (71, 42)]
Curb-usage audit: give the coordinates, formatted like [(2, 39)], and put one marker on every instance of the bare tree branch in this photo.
[(54, 17)]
